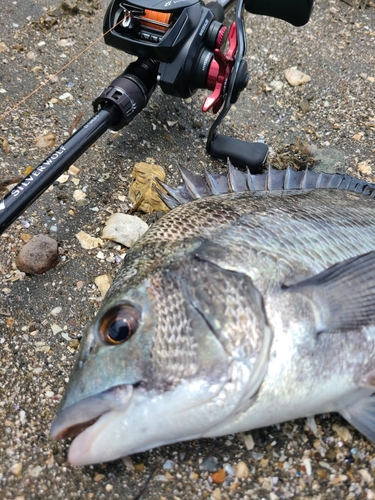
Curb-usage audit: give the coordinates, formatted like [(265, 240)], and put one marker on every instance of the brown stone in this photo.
[(38, 255), (219, 476)]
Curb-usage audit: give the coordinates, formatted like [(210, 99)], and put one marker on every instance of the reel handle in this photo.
[(241, 153)]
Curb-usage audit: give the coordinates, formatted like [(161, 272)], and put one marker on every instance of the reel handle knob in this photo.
[(241, 153)]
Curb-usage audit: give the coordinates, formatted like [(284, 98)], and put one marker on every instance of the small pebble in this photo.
[(219, 476), (161, 478), (103, 282), (139, 467), (307, 464), (311, 424), (276, 85), (56, 310), (16, 469), (331, 455), (88, 242), (296, 77), (38, 255), (63, 179), (3, 47), (366, 476), (22, 417), (229, 470), (242, 470), (304, 105), (80, 198), (66, 95), (365, 168), (210, 464), (249, 442), (168, 464), (74, 170), (35, 471), (216, 494), (343, 432), (56, 328), (128, 462)]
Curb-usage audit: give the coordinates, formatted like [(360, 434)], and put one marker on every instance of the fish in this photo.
[(250, 303)]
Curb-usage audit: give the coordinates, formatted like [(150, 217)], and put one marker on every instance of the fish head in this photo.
[(157, 365)]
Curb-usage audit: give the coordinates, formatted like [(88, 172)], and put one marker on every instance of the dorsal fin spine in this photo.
[(197, 186)]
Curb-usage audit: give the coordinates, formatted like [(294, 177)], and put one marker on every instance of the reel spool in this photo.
[(153, 19)]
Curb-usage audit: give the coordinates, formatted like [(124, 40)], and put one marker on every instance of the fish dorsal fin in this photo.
[(343, 295), (237, 181), (275, 179), (195, 183), (292, 179), (217, 183), (174, 196)]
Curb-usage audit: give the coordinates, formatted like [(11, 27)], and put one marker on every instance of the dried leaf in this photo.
[(45, 141), (4, 145), (141, 192)]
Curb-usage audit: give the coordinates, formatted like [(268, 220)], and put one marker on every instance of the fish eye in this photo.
[(118, 324)]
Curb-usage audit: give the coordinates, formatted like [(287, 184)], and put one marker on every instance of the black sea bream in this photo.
[(250, 305)]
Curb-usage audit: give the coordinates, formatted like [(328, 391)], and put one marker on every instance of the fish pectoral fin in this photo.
[(343, 295), (361, 415)]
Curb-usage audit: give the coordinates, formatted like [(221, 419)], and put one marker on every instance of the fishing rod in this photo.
[(180, 47)]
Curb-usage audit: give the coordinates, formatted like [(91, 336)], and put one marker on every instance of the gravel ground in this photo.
[(41, 317)]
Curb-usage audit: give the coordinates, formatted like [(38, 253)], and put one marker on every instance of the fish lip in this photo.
[(73, 430), (74, 419)]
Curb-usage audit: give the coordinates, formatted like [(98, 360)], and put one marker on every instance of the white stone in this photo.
[(125, 229), (296, 77), (56, 328)]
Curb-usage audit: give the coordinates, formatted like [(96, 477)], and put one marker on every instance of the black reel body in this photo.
[(182, 36)]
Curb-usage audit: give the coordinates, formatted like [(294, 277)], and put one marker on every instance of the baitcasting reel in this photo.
[(187, 38), (192, 49)]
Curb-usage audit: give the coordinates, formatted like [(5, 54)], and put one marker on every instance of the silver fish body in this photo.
[(236, 310)]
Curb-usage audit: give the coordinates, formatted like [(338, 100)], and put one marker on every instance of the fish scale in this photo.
[(250, 303)]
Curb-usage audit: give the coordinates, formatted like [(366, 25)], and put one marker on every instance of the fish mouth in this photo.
[(129, 419), (75, 419), (72, 430)]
